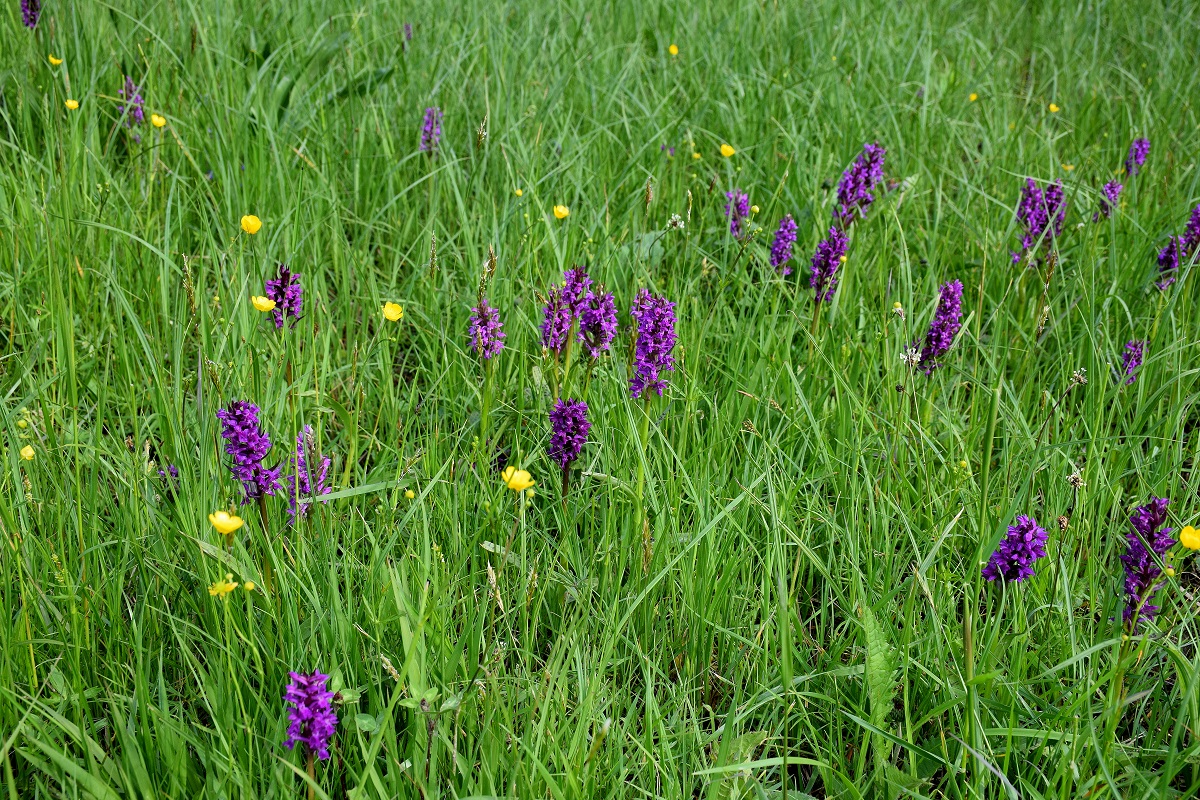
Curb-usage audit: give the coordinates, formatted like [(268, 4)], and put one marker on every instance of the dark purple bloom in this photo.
[(670, 151), (408, 31), (825, 262), (1141, 570), (247, 445), (1041, 212), (598, 322), (287, 293), (945, 325), (170, 479), (855, 187), (133, 107), (736, 211), (654, 318), (1168, 262), (431, 130), (311, 716), (557, 319), (569, 428), (577, 284), (487, 333), (1131, 359), (1013, 559), (1179, 249), (781, 248), (1110, 192), (1191, 234), (30, 11), (1137, 156), (306, 480)]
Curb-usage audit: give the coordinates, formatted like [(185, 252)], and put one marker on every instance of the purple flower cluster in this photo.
[(577, 285), (825, 262), (564, 306), (431, 130), (487, 333), (1041, 212), (311, 717), (1108, 200), (855, 187), (598, 322), (654, 317), (1137, 156), (1179, 250), (408, 31), (736, 211), (135, 113), (947, 321), (30, 11), (305, 481), (557, 320), (287, 293), (1141, 570), (781, 248), (248, 445), (1131, 359), (1014, 557), (569, 428)]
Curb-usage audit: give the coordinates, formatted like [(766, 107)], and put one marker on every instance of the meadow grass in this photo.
[(788, 602)]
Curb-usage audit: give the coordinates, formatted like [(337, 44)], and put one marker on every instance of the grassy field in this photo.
[(765, 583)]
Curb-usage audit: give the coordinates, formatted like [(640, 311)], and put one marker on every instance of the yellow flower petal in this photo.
[(222, 588), (248, 586), (392, 312), (251, 224), (71, 104), (157, 121), (517, 479), (410, 494), (1189, 537), (753, 209), (27, 453), (519, 192), (727, 150), (1053, 108), (224, 522), (53, 60), (673, 49), (973, 97), (263, 304), (561, 212), (695, 155)]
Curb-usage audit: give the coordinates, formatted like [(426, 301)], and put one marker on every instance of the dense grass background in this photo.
[(800, 617)]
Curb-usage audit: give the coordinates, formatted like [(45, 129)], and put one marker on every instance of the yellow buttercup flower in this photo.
[(727, 150), (248, 586), (519, 192), (393, 312), (27, 453), (71, 104), (561, 212), (410, 494), (1189, 537), (695, 155), (157, 121), (251, 224), (223, 587), (1068, 167), (517, 479), (224, 522), (1053, 108), (973, 97), (53, 60), (842, 259), (263, 304), (673, 49)]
